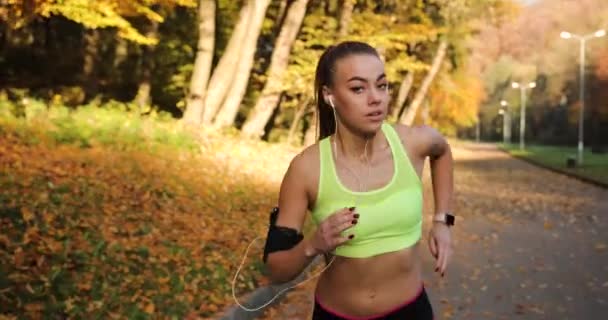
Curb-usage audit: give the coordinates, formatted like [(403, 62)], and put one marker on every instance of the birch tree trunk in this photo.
[(224, 72), (408, 116), (142, 98), (89, 77), (258, 117), (227, 114), (404, 91), (346, 13), (311, 133), (297, 118), (202, 62)]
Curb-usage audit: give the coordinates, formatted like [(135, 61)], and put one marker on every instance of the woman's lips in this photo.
[(376, 115)]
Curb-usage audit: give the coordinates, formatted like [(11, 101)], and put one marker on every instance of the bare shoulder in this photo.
[(423, 139), (298, 189), (305, 162)]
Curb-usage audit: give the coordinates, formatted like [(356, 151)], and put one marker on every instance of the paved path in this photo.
[(530, 244)]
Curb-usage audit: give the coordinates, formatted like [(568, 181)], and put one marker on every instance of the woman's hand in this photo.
[(440, 243), (328, 234)]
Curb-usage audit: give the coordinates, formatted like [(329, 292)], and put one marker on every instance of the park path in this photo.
[(530, 244)]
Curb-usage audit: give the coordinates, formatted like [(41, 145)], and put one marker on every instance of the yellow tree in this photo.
[(91, 14)]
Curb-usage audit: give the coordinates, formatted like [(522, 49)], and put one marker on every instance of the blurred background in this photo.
[(450, 63), (143, 142)]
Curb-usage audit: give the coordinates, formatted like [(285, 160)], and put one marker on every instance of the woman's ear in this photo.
[(327, 96)]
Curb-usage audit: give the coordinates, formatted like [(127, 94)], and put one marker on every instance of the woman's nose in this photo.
[(376, 95)]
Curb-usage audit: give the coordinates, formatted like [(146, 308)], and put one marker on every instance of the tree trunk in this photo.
[(426, 109), (142, 98), (120, 52), (224, 72), (346, 14), (296, 119), (230, 108), (91, 40), (258, 117), (311, 133), (408, 116), (331, 7), (404, 90), (280, 17), (202, 62)]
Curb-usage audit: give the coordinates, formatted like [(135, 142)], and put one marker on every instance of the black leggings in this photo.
[(417, 309)]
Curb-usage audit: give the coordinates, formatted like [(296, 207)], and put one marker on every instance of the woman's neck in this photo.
[(353, 146)]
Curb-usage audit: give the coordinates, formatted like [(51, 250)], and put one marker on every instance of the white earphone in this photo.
[(331, 102)]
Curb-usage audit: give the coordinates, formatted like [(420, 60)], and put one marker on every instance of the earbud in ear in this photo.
[(331, 103)]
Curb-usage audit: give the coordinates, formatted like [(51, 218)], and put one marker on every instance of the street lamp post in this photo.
[(506, 122), (583, 41), (477, 128), (522, 116)]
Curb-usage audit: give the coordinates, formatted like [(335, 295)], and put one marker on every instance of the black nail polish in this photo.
[(351, 236), (354, 221), (351, 208), (356, 215)]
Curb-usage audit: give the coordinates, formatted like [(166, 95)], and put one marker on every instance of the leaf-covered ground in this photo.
[(97, 232), (530, 244)]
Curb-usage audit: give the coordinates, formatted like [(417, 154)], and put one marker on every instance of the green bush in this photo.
[(121, 125)]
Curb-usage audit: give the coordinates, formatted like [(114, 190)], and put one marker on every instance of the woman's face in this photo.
[(360, 92)]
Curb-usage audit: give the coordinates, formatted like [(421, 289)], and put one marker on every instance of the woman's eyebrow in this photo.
[(365, 80)]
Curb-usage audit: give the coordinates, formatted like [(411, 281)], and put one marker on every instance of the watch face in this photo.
[(449, 219)]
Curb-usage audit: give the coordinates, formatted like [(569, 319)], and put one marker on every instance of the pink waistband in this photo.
[(376, 316)]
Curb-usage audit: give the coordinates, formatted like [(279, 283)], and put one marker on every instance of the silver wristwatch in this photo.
[(445, 217)]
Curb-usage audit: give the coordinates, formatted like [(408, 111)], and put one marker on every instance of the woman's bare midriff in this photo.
[(368, 286)]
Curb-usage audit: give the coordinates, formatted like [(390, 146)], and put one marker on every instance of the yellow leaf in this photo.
[(34, 307), (84, 286), (150, 308), (4, 240), (18, 257), (27, 214)]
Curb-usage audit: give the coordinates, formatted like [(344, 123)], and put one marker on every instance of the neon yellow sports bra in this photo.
[(390, 218)]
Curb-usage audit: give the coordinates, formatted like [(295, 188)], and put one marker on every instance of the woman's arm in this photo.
[(436, 147), (442, 170), (293, 201), (285, 265)]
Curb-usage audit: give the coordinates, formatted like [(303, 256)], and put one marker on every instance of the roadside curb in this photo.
[(259, 297), (556, 170)]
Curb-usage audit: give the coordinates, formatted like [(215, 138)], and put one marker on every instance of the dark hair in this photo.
[(324, 77)]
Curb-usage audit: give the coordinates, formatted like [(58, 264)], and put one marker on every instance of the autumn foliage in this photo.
[(96, 231)]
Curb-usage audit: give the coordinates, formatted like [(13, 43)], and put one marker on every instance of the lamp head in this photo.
[(565, 35)]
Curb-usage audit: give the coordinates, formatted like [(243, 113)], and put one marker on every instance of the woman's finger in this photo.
[(448, 254), (338, 216), (441, 257), (338, 241), (433, 246), (343, 223)]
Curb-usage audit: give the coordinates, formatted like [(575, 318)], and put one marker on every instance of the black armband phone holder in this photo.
[(280, 238)]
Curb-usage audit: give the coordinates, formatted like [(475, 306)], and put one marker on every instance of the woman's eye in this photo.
[(357, 89), (383, 86)]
